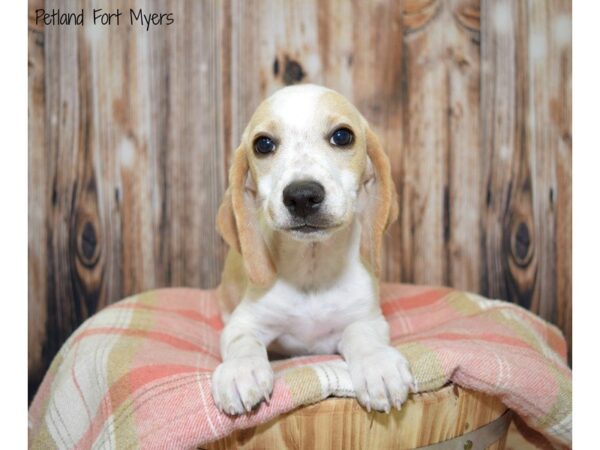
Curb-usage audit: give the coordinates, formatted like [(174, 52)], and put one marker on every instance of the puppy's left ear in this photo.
[(381, 207)]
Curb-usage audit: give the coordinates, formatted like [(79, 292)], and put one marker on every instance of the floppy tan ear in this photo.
[(382, 204), (237, 223)]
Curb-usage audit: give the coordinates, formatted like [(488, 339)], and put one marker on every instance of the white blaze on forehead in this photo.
[(297, 104)]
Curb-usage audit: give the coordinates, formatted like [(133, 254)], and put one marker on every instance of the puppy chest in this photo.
[(308, 338), (315, 325)]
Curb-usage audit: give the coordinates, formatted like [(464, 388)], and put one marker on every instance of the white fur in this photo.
[(324, 299)]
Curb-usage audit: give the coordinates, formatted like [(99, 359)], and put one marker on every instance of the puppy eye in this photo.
[(264, 145), (341, 137)]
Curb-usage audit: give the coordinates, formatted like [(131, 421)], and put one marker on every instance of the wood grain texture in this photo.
[(526, 129), (341, 424), (131, 146), (37, 198), (131, 133), (439, 211)]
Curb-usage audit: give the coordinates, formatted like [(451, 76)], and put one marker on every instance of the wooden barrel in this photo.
[(452, 418)]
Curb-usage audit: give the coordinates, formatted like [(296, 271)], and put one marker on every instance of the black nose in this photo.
[(303, 198)]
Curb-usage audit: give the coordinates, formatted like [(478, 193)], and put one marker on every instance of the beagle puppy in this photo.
[(310, 196)]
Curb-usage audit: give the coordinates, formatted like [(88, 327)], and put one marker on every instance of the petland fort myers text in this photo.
[(99, 16)]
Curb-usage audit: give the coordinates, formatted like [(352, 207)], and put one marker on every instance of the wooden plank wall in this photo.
[(131, 133)]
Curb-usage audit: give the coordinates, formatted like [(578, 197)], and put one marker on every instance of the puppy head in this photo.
[(307, 165)]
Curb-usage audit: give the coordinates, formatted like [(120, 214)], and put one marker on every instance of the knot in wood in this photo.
[(293, 72), (88, 249), (521, 244)]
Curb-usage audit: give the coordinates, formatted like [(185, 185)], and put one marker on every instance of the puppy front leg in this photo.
[(380, 374), (245, 377)]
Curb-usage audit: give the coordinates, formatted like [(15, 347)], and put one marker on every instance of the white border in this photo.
[(13, 243), (586, 221)]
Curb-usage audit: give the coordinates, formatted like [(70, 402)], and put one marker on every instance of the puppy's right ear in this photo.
[(237, 223)]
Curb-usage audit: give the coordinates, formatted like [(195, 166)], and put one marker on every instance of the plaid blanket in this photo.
[(137, 374)]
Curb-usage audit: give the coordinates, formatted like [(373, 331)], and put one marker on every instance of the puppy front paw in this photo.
[(240, 384), (381, 379)]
